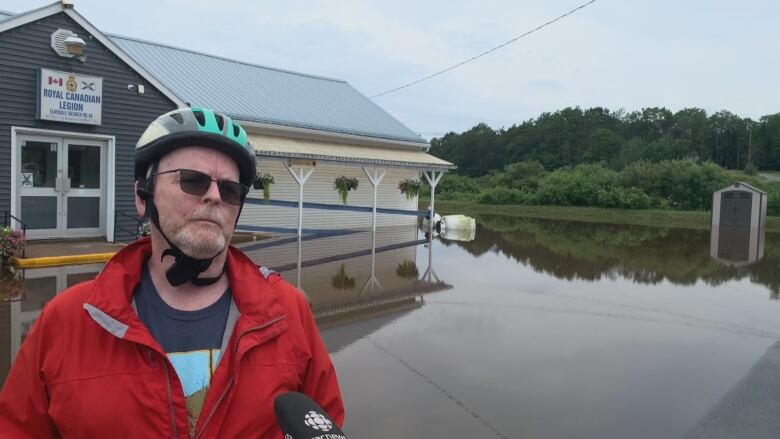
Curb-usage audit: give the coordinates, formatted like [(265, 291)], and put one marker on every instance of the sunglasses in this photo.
[(197, 183)]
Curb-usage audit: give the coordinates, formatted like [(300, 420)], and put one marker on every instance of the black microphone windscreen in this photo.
[(301, 418)]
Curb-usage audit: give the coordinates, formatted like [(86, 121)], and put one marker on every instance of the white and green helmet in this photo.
[(195, 127)]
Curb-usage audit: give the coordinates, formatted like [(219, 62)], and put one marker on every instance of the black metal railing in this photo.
[(7, 217), (138, 223)]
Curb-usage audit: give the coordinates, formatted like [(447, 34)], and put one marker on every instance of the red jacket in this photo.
[(89, 368)]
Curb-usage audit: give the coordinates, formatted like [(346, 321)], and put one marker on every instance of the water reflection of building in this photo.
[(38, 287), (352, 275), (737, 246), (348, 276)]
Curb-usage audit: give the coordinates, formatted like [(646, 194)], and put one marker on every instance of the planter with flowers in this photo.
[(264, 182), (11, 284), (343, 185), (144, 228), (409, 187), (12, 243)]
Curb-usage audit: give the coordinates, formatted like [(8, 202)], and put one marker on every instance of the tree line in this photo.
[(648, 159), (616, 139)]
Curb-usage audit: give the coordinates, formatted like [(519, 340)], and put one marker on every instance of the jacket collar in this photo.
[(109, 301)]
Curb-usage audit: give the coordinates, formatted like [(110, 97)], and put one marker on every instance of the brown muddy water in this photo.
[(535, 328)]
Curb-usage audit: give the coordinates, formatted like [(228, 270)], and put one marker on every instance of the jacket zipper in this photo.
[(230, 382), (172, 411)]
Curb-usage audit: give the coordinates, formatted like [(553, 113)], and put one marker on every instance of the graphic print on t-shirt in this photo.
[(194, 369)]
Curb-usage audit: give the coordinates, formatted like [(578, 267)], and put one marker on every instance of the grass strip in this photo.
[(657, 218)]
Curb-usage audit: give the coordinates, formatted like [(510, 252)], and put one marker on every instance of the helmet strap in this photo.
[(185, 268)]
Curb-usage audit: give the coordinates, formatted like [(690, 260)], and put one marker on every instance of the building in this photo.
[(73, 101), (739, 205)]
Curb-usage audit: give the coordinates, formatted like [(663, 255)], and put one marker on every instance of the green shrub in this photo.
[(773, 197), (449, 185), (579, 186), (521, 175), (502, 195), (685, 184)]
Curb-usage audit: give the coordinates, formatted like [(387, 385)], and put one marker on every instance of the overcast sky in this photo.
[(614, 53)]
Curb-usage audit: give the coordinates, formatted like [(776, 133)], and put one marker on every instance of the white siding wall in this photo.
[(319, 189)]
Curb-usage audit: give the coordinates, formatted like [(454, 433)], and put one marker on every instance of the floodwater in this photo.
[(532, 328)]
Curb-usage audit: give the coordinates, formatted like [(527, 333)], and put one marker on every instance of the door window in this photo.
[(84, 166)]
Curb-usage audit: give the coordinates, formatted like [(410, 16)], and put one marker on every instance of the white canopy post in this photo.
[(375, 178), (429, 273), (372, 281), (300, 267), (301, 178), (433, 180)]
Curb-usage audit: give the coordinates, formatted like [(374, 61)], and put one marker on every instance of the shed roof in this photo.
[(264, 94), (740, 184)]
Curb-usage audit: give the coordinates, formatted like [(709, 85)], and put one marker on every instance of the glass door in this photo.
[(40, 186), (62, 186), (83, 187)]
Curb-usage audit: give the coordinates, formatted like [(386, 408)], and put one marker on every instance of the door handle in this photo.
[(58, 183), (66, 185)]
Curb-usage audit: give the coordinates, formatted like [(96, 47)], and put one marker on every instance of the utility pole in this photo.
[(750, 141), (717, 146)]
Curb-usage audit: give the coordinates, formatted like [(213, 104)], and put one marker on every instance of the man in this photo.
[(180, 335)]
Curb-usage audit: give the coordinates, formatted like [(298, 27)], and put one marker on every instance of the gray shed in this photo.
[(739, 205)]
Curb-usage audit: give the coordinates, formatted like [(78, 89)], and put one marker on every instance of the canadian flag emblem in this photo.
[(55, 81)]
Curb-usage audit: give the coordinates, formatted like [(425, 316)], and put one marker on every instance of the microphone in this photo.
[(301, 418)]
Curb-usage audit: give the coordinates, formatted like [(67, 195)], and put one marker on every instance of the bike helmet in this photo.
[(195, 127)]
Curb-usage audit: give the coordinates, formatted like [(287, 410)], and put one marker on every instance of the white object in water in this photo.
[(458, 228), (460, 222)]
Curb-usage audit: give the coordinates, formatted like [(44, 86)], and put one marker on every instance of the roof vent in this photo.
[(67, 44)]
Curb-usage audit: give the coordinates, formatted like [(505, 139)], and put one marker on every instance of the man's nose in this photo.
[(213, 193)]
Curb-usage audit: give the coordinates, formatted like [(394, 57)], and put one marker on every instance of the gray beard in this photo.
[(191, 245)]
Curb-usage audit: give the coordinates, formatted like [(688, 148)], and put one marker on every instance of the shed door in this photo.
[(735, 208)]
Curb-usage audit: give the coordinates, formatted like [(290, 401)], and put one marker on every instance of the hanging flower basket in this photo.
[(407, 270), (341, 281), (343, 185), (409, 187), (264, 182), (12, 243)]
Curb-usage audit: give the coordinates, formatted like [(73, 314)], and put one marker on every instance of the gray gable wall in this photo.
[(25, 49)]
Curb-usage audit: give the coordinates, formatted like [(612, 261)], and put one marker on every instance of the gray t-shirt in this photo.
[(192, 339)]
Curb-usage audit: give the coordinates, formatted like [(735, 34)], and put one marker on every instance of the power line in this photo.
[(485, 52)]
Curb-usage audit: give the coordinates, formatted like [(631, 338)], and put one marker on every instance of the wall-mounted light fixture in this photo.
[(68, 45)]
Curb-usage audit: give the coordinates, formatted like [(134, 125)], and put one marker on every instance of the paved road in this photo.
[(771, 177), (750, 409)]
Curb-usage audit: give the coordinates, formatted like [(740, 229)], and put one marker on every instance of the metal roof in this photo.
[(263, 94)]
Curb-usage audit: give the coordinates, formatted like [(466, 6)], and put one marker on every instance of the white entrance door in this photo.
[(62, 186)]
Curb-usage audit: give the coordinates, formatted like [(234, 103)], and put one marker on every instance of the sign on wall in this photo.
[(69, 97), (304, 163)]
